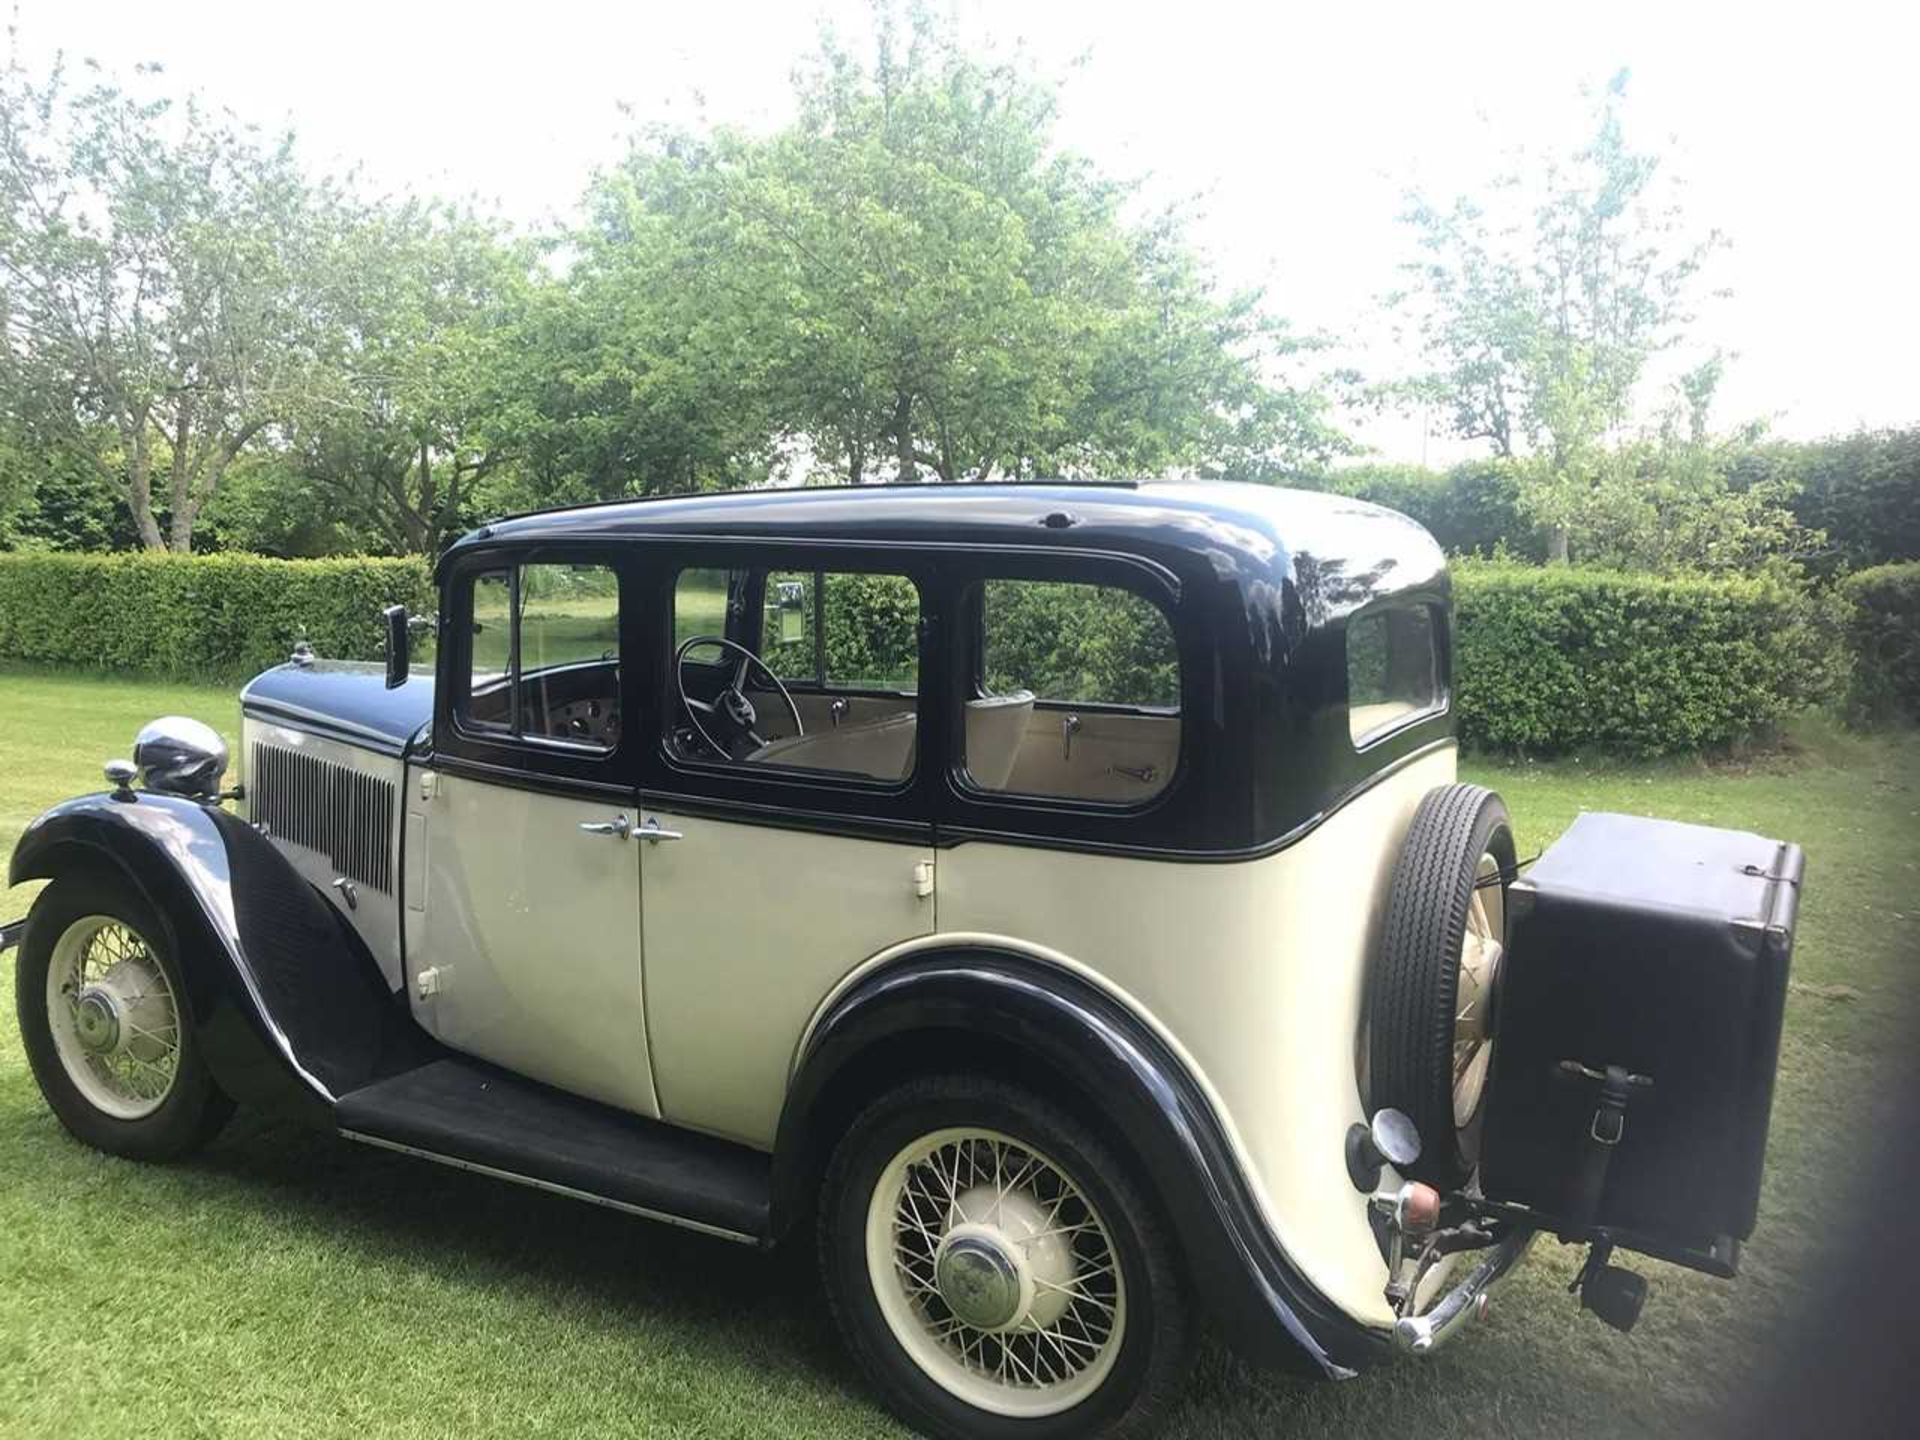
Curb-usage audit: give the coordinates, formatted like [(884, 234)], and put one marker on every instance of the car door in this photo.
[(524, 886), (776, 865)]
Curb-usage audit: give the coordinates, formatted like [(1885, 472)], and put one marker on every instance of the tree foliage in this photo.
[(153, 256), (912, 281), (1539, 305)]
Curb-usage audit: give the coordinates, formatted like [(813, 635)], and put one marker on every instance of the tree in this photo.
[(149, 264), (1539, 308), (407, 410), (911, 280)]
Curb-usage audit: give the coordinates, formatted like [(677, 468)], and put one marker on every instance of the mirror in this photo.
[(398, 643), (789, 606)]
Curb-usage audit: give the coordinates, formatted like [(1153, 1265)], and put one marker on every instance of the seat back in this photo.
[(996, 725)]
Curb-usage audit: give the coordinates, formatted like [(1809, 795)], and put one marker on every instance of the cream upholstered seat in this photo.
[(996, 725), (881, 748)]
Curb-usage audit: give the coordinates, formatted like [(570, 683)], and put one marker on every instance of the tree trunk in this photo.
[(139, 491), (1557, 546), (903, 437)]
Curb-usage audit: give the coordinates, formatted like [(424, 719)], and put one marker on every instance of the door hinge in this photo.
[(923, 878), (429, 981), (429, 784)]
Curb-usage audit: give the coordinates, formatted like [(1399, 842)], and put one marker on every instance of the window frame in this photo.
[(1439, 632), (503, 754)]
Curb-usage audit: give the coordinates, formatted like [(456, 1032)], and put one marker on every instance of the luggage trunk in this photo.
[(1662, 949)]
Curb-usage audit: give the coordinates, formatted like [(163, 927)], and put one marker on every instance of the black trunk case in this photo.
[(1662, 948)]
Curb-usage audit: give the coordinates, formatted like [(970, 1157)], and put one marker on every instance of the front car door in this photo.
[(523, 889), (800, 844)]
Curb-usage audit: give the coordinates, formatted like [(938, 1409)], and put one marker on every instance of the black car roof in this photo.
[(1316, 540)]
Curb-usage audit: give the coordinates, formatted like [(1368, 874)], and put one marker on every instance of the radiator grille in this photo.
[(346, 816)]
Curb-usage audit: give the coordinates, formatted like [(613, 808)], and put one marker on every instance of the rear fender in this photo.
[(285, 1002), (1003, 1008)]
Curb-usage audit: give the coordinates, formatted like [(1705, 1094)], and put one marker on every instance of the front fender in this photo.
[(284, 1001), (1086, 1037)]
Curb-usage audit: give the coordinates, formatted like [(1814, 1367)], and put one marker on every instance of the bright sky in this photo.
[(1798, 131)]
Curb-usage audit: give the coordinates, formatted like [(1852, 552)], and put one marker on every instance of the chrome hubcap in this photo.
[(95, 1022), (114, 1018), (979, 1281)]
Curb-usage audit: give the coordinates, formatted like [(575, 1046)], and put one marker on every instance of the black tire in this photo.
[(194, 1109), (1147, 1369), (1413, 993)]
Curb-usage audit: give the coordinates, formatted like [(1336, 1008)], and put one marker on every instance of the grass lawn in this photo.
[(287, 1284)]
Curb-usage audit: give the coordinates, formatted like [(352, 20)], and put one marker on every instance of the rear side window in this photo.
[(1078, 693), (1393, 670)]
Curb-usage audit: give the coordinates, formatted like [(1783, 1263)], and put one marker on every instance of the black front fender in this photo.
[(1000, 1000), (285, 1002)]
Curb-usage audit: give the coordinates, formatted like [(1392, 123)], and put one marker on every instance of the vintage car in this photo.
[(1057, 901)]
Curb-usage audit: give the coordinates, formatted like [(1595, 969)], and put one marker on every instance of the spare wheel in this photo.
[(1434, 983)]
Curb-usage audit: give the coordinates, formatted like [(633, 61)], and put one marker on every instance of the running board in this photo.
[(474, 1117)]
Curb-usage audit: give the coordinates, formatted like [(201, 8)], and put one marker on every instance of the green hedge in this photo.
[(1547, 660), (1555, 660), (211, 615), (1884, 626)]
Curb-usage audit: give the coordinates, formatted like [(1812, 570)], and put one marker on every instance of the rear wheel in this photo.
[(106, 1026), (1435, 981), (996, 1268)]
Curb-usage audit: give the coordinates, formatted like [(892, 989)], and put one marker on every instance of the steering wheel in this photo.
[(731, 705)]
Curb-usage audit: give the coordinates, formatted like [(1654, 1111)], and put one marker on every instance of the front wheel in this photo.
[(104, 1019), (997, 1269)]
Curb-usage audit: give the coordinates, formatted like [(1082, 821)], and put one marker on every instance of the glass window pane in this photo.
[(568, 614), (1089, 644), (699, 604), (873, 632), (1080, 693), (1393, 670), (863, 722), (488, 694)]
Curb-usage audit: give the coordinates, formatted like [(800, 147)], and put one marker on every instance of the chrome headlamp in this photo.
[(179, 756)]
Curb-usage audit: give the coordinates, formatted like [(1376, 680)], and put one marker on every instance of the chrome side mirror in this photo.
[(399, 645)]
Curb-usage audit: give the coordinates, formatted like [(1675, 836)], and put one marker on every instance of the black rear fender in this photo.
[(1019, 1017)]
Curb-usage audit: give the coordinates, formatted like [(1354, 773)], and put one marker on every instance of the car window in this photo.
[(543, 657), (1393, 670), (842, 631), (1078, 694), (831, 687)]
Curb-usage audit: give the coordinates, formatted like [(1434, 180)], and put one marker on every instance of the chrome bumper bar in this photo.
[(1447, 1316), (10, 935)]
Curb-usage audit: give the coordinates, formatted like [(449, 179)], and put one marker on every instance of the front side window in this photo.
[(543, 657), (822, 677), (1078, 693), (1393, 670)]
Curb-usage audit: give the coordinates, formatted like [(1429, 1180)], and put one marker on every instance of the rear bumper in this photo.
[(1461, 1305), (10, 934)]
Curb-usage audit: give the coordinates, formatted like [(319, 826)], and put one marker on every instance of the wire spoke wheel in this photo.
[(114, 1018), (995, 1272), (1482, 947)]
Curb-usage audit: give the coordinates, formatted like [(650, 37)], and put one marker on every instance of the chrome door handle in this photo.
[(619, 827), (1069, 727), (651, 832)]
